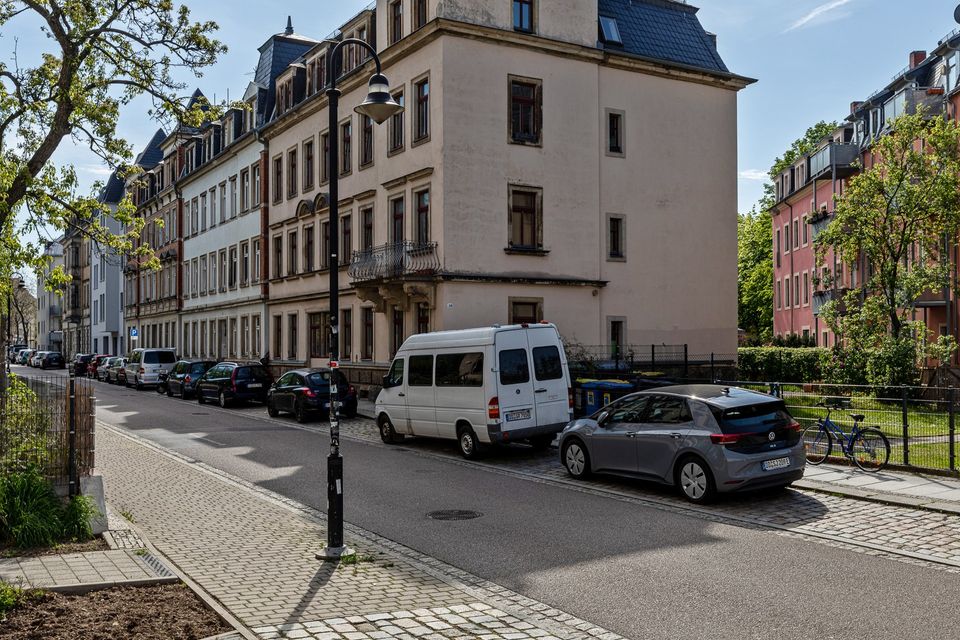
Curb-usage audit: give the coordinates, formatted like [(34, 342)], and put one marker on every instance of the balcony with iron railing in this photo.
[(394, 261)]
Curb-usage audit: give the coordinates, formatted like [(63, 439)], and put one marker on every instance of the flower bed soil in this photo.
[(163, 612), (96, 544)]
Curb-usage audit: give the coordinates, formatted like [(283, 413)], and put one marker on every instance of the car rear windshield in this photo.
[(752, 418), (159, 357), (252, 373), (198, 367), (319, 379)]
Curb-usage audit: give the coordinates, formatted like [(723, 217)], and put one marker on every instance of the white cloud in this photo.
[(819, 12), (95, 169), (755, 174)]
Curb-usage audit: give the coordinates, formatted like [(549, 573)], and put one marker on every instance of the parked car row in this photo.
[(38, 359)]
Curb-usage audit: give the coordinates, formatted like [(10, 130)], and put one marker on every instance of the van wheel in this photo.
[(387, 433), (467, 439)]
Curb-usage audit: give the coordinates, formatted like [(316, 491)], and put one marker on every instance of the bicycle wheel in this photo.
[(817, 442), (870, 450)]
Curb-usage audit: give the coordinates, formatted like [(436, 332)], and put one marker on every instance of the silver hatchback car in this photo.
[(704, 439)]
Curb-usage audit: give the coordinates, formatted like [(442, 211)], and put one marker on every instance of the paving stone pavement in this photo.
[(253, 551), (76, 570), (901, 531)]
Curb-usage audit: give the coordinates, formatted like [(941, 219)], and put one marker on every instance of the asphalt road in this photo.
[(640, 571)]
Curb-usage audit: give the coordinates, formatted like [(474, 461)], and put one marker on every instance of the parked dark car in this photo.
[(306, 392), (53, 360), (229, 382), (182, 379), (80, 363), (95, 363)]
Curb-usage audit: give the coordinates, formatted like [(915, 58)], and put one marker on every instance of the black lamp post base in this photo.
[(335, 553)]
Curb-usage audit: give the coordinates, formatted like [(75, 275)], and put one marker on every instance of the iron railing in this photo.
[(395, 260)]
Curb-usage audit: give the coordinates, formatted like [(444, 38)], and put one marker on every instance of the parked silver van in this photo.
[(144, 366), (479, 386)]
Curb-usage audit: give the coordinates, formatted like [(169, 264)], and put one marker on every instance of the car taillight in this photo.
[(570, 397), (307, 391), (795, 426), (142, 371), (727, 438), (351, 390), (493, 408), (233, 380), (187, 378)]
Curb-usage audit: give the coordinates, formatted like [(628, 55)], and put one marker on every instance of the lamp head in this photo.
[(379, 105)]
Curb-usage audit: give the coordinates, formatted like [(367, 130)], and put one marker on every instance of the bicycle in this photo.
[(867, 447)]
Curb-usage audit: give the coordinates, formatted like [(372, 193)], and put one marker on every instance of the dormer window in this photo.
[(609, 31), (523, 15)]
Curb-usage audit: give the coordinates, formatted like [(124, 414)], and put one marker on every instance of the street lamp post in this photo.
[(10, 292), (379, 105)]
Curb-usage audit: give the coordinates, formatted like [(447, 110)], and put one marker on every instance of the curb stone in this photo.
[(910, 502)]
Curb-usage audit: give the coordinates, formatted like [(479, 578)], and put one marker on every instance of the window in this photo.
[(204, 279), (617, 338), (292, 320), (346, 334), (277, 257), (806, 288), (244, 263), (367, 344), (395, 21), (528, 311), (256, 260), (615, 133), (460, 370), (786, 292), (346, 239), (203, 212), (523, 15), (796, 290), (213, 272), (615, 237), (233, 267), (395, 376), (319, 335), (667, 410), (366, 141), (308, 246), (194, 217), (223, 270), (396, 220), (514, 368), (244, 335), (421, 371), (778, 247), (547, 364), (526, 103), (213, 207), (291, 173), (308, 162), (292, 253), (796, 233), (419, 13), (277, 336), (397, 333), (223, 201), (609, 31), (244, 189), (786, 236), (525, 216), (806, 236), (324, 245), (255, 194), (423, 318), (255, 344), (325, 150), (345, 153), (422, 199), (396, 126), (779, 300), (277, 181), (422, 103), (366, 234)]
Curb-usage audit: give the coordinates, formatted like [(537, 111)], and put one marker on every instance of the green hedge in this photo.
[(780, 364)]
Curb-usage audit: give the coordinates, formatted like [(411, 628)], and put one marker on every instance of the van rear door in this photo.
[(551, 378), (514, 381)]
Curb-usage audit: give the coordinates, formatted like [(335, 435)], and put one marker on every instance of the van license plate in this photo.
[(778, 463), (254, 385), (522, 414)]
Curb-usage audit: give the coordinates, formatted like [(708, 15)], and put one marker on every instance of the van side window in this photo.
[(395, 377), (460, 370), (513, 367), (421, 371), (546, 363)]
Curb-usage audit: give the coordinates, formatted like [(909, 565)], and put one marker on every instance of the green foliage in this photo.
[(844, 366), (12, 596), (802, 146), (23, 428), (793, 340), (755, 275), (893, 364), (30, 511), (100, 55), (80, 510), (779, 364)]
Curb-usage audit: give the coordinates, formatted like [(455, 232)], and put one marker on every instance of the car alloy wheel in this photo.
[(695, 481), (223, 400), (271, 410), (575, 460), (469, 448)]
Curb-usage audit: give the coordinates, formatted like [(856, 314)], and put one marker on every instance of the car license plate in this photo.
[(777, 463), (254, 385), (522, 414)]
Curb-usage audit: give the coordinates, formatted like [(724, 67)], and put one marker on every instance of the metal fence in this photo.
[(48, 421)]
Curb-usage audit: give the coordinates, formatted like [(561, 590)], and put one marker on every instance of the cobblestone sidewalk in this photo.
[(253, 551), (88, 570)]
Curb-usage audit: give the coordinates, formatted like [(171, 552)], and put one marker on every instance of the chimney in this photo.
[(854, 106), (916, 57)]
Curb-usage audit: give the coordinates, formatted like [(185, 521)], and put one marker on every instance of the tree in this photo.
[(799, 148), (898, 219), (755, 274), (104, 54)]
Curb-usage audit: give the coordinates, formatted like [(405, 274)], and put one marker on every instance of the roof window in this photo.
[(609, 31)]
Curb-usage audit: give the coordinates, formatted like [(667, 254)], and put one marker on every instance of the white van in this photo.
[(147, 365), (489, 385)]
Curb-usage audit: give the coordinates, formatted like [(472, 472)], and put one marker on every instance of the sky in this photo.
[(811, 58)]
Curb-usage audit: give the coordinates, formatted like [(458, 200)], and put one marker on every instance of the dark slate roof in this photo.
[(152, 154), (112, 192), (276, 54), (663, 30)]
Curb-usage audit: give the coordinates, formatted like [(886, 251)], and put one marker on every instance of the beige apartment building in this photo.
[(567, 165)]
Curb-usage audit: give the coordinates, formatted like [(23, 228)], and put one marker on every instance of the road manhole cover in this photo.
[(454, 514)]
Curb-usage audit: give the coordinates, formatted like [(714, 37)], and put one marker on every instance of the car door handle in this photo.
[(540, 391), (676, 436), (632, 434)]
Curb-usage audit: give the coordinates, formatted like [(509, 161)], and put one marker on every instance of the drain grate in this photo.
[(454, 514)]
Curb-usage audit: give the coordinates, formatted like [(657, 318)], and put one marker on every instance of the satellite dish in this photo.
[(956, 14)]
